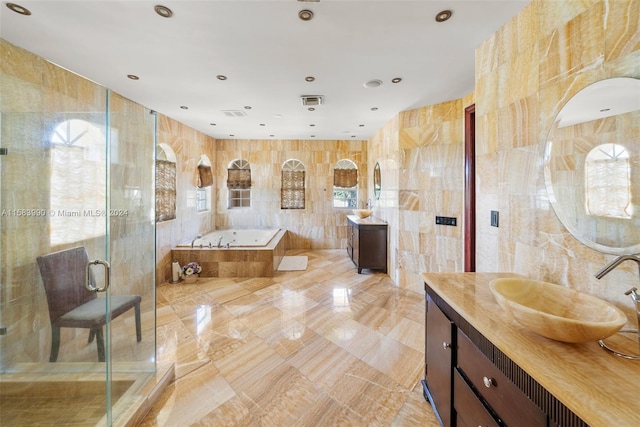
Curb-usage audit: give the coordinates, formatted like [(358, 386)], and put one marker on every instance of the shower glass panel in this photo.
[(76, 170)]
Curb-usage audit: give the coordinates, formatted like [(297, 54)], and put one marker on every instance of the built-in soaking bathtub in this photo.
[(235, 252)]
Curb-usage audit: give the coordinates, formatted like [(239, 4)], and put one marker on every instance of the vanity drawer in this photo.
[(512, 406), (469, 410)]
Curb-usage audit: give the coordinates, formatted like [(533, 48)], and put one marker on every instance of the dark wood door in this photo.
[(470, 188)]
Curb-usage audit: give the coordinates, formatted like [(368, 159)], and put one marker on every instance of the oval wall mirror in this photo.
[(592, 166), (377, 181)]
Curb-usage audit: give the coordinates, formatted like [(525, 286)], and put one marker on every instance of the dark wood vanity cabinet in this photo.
[(439, 346), (464, 387), (367, 244)]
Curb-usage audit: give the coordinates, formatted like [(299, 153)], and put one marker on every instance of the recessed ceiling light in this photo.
[(163, 11), (221, 77), (311, 109), (231, 134), (443, 16), (396, 80), (374, 108), (312, 125), (312, 136), (184, 107), (19, 9), (272, 135), (309, 78), (361, 126), (278, 116), (262, 124), (133, 77), (305, 15), (212, 124), (372, 83), (247, 107)]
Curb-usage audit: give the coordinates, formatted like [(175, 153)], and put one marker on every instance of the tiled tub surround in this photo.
[(259, 261), (319, 225)]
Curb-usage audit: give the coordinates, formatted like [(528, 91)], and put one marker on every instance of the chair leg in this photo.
[(100, 344), (55, 343), (138, 326), (92, 335)]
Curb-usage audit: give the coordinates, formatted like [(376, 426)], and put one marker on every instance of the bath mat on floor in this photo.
[(293, 263)]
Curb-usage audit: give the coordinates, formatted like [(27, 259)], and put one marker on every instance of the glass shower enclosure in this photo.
[(76, 170)]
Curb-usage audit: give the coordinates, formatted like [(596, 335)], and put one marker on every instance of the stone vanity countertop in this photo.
[(370, 220), (599, 387)]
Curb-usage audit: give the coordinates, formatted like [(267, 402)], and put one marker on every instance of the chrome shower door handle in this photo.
[(107, 275)]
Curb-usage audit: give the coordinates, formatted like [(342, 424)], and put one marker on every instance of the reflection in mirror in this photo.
[(592, 166), (607, 182), (377, 182)]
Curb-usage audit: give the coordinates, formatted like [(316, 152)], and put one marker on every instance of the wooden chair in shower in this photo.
[(72, 305)]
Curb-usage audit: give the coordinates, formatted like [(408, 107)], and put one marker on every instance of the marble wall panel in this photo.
[(37, 98), (571, 44), (188, 145), (424, 150), (319, 225)]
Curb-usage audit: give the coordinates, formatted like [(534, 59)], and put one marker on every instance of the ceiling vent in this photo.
[(234, 113), (311, 99)]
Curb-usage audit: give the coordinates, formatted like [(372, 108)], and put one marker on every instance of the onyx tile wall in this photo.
[(188, 145), (319, 225), (37, 97), (525, 73), (422, 152), (383, 148)]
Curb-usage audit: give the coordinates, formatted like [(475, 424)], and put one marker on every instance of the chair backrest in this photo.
[(63, 274)]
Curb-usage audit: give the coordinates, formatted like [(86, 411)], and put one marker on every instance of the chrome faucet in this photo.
[(636, 299), (194, 240), (616, 262), (368, 203), (634, 296), (220, 241)]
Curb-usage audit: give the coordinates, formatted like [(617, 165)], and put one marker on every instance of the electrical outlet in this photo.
[(495, 218)]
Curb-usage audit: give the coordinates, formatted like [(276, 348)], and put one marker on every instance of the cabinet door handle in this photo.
[(488, 382), (446, 345)]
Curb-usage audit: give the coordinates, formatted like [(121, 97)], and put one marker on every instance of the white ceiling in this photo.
[(266, 52)]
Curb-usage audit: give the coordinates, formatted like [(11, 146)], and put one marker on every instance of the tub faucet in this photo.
[(194, 240), (220, 241)]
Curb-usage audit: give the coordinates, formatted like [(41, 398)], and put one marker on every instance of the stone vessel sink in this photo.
[(557, 312), (363, 213)]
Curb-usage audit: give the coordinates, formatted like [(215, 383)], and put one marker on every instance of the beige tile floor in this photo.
[(321, 347)]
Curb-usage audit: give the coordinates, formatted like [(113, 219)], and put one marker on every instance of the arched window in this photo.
[(608, 181), (239, 184), (345, 184), (293, 186), (77, 198), (165, 183)]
